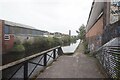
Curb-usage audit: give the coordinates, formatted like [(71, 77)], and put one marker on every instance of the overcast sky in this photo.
[(50, 15)]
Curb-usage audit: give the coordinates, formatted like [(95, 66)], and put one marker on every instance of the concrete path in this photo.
[(78, 65)]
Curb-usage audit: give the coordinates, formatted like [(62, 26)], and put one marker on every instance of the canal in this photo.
[(70, 48)]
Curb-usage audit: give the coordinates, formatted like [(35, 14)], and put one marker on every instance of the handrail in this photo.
[(109, 56), (26, 58)]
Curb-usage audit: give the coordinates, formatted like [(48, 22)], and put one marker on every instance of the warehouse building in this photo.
[(11, 32)]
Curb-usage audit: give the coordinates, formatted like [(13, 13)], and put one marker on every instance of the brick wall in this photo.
[(1, 36), (1, 43), (9, 43), (96, 29), (94, 34)]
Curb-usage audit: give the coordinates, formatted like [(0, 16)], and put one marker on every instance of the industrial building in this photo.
[(11, 32)]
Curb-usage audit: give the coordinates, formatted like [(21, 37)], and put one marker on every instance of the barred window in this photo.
[(6, 37)]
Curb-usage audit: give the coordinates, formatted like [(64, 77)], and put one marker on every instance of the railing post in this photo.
[(26, 70), (60, 52), (45, 59), (54, 54)]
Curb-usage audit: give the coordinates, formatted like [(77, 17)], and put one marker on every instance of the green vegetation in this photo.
[(85, 44), (38, 44), (73, 39), (81, 32), (81, 35), (65, 40), (18, 47)]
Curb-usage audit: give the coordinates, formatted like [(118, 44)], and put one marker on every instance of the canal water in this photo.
[(71, 48)]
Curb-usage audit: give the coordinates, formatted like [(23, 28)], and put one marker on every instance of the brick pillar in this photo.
[(1, 35)]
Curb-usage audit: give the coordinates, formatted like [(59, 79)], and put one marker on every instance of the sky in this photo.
[(50, 15)]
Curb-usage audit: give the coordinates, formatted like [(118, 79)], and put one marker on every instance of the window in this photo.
[(6, 37), (12, 30), (18, 30), (6, 29), (15, 30), (38, 33), (23, 31), (34, 32), (30, 31)]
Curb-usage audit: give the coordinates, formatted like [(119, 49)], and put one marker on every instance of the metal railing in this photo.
[(109, 58), (26, 67)]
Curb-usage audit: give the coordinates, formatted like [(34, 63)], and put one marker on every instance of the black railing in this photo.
[(109, 58), (28, 67)]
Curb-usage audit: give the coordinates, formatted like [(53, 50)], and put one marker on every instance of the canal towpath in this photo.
[(77, 65)]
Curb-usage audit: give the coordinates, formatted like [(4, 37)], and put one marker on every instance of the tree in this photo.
[(81, 32)]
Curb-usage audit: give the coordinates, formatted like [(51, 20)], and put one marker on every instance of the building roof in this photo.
[(96, 11), (18, 24)]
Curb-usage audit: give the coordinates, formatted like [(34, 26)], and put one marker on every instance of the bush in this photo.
[(56, 42), (86, 50), (17, 42), (65, 40), (50, 42), (18, 48), (27, 45), (44, 43), (41, 43), (73, 39)]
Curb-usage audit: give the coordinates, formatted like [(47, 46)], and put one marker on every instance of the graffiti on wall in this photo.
[(114, 11)]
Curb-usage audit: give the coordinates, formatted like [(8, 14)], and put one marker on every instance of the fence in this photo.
[(109, 58), (25, 68)]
